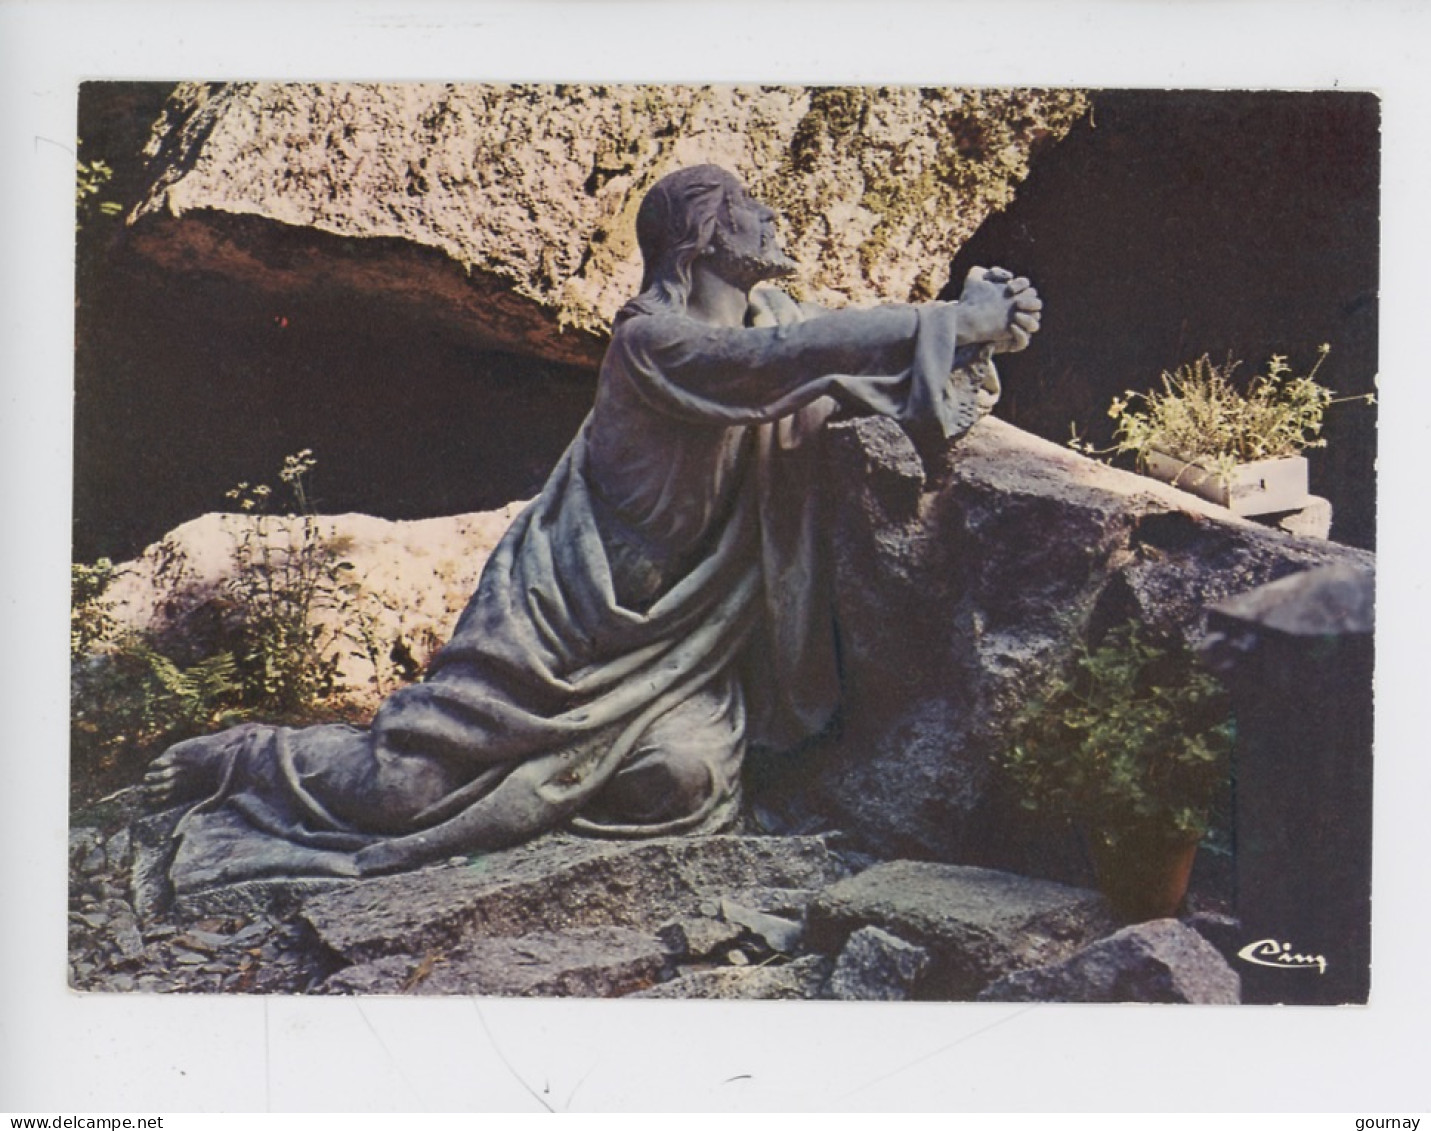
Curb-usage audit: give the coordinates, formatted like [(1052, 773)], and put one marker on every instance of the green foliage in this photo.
[(1202, 416), (91, 616), (280, 582), (91, 177), (392, 659), (129, 702), (267, 645), (1133, 739)]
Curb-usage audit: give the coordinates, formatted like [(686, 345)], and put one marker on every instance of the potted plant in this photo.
[(1237, 447), (1132, 743)]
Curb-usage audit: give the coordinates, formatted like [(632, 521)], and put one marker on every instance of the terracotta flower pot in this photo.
[(1144, 876)]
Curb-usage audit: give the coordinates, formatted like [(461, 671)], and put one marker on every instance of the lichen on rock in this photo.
[(912, 172), (510, 210)]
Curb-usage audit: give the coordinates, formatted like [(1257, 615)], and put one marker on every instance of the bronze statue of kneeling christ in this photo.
[(660, 608)]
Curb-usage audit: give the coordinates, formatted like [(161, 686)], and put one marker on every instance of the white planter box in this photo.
[(1265, 487)]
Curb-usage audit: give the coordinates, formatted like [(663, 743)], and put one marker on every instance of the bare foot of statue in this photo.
[(192, 770)]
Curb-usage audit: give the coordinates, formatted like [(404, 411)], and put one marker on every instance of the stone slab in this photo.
[(586, 962), (977, 924), (556, 884), (1157, 961)]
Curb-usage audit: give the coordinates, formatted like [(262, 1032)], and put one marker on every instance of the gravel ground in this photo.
[(114, 948)]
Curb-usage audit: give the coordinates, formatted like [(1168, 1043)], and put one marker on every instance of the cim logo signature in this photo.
[(1280, 956)]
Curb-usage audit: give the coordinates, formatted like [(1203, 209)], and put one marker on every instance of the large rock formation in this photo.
[(508, 211), (386, 594), (958, 593)]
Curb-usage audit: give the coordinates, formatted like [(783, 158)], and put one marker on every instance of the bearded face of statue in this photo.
[(745, 248), (702, 215)]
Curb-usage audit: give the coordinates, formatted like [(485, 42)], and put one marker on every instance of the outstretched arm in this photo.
[(742, 375), (996, 308)]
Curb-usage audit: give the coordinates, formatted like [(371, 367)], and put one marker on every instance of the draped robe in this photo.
[(673, 554)]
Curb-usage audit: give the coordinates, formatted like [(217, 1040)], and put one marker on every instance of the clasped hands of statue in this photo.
[(999, 308)]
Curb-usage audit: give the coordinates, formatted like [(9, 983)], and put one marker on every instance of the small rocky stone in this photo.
[(116, 850), (877, 966), (1223, 931), (977, 924), (698, 938), (786, 903), (1157, 961), (1312, 521), (127, 938), (250, 934), (209, 939), (83, 841), (797, 980), (780, 935)]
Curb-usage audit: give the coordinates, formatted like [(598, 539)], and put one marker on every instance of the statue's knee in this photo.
[(658, 786), (686, 763)]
